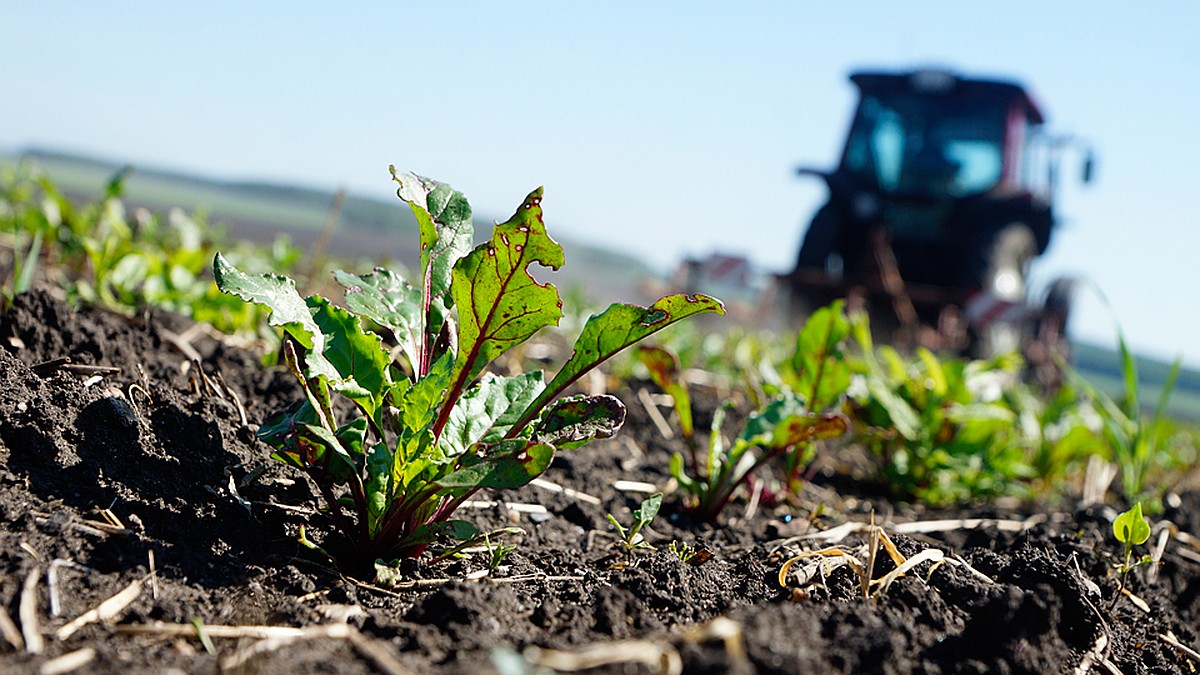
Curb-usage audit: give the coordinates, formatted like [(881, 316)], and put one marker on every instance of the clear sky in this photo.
[(664, 129)]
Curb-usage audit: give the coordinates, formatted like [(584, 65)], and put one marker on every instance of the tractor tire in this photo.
[(820, 239), (1048, 349), (1006, 269)]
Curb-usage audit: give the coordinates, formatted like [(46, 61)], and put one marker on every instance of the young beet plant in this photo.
[(711, 476), (426, 437)]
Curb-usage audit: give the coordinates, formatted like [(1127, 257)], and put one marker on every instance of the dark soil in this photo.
[(148, 475)]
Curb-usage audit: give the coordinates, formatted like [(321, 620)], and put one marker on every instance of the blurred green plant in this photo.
[(1060, 431), (24, 222), (941, 429), (809, 384), (818, 372), (101, 254)]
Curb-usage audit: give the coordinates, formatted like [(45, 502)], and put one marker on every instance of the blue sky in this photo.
[(665, 129)]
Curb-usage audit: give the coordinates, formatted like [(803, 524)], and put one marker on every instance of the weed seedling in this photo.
[(429, 433), (498, 552), (1131, 529), (632, 538)]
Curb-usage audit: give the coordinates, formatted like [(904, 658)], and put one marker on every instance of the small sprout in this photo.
[(632, 538), (692, 555), (1131, 529), (498, 552)]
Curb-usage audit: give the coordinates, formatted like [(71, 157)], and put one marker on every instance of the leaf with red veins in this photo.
[(499, 304), (612, 330)]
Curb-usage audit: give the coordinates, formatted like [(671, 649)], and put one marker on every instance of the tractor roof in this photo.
[(947, 83)]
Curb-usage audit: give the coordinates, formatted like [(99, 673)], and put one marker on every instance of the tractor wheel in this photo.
[(1048, 349), (1007, 260), (820, 240)]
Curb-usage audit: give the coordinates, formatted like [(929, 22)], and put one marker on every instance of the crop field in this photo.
[(225, 455)]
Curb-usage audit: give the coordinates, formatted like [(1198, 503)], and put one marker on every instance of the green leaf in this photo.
[(1131, 528), (353, 361), (485, 407), (24, 267), (761, 424), (379, 486), (980, 422), (416, 460), (352, 435), (1131, 404), (387, 299), (934, 372), (574, 421), (715, 460), (664, 371), (785, 422), (116, 184), (677, 471), (444, 217), (1168, 386), (822, 373), (300, 440), (462, 529), (616, 328), (509, 464), (645, 514), (419, 403), (899, 412), (499, 304), (804, 429), (277, 292), (313, 443), (357, 357), (277, 429)]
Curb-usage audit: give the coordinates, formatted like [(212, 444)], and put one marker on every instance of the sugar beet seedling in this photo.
[(426, 437), (709, 480)]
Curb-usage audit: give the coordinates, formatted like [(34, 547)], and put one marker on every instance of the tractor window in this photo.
[(915, 144), (1037, 168)]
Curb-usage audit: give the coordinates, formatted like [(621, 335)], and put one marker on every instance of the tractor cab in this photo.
[(930, 134), (944, 189)]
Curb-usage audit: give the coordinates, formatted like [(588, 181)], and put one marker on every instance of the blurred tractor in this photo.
[(942, 199)]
